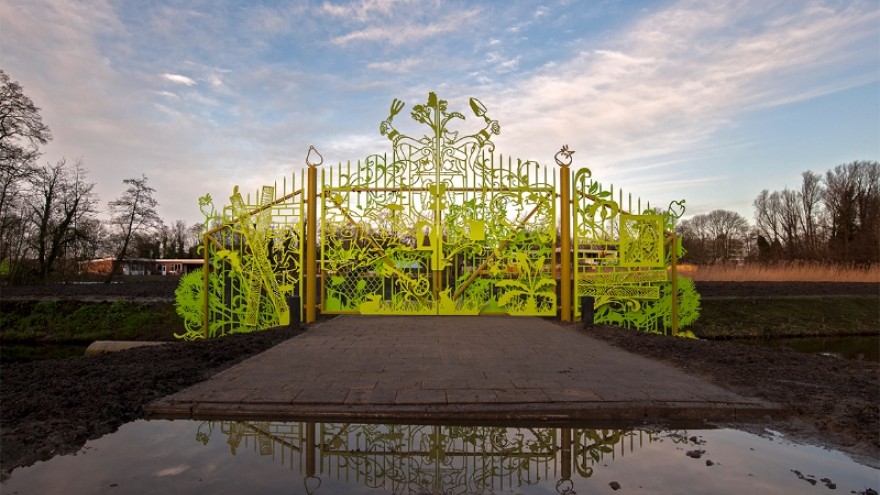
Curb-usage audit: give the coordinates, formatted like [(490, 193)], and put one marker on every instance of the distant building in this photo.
[(140, 266)]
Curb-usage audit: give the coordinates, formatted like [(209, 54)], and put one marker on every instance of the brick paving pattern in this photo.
[(463, 369)]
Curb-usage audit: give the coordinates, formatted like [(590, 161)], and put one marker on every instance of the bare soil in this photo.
[(53, 407), (831, 401)]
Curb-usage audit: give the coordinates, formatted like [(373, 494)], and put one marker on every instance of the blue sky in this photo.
[(707, 101)]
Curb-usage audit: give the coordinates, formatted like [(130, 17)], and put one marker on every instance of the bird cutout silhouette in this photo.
[(565, 154)]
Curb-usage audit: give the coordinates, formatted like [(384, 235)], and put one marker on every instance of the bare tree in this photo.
[(852, 199), (131, 213), (179, 240), (868, 201), (695, 239), (790, 220), (14, 244), (165, 241), (21, 127), (839, 194), (93, 239), (22, 131), (193, 239), (730, 232), (767, 209), (60, 200), (811, 214), (720, 235), (832, 217), (175, 240), (147, 244)]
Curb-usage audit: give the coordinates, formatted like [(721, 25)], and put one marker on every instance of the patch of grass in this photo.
[(76, 322), (778, 317), (782, 272)]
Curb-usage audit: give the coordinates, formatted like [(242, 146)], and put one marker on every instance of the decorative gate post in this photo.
[(312, 236), (563, 159), (674, 276), (206, 268)]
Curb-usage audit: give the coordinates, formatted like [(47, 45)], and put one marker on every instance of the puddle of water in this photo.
[(300, 458)]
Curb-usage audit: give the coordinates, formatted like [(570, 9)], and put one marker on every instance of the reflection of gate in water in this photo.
[(441, 225), (432, 458)]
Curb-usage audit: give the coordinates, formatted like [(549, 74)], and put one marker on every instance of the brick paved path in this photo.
[(463, 369)]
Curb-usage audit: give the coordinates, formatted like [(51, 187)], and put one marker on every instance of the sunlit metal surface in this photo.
[(440, 224)]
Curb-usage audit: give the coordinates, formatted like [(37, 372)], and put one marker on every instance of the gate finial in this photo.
[(566, 156), (309, 162)]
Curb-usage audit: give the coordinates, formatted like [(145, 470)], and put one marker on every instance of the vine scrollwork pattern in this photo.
[(440, 224)]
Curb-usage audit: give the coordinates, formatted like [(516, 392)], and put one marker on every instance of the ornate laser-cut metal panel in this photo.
[(641, 241), (253, 252), (621, 260), (442, 226)]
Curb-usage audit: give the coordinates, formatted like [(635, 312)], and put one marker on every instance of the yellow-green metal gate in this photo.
[(439, 225)]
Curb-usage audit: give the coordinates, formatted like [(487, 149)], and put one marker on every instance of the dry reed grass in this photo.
[(787, 272)]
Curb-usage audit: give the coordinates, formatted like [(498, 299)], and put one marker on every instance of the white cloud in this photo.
[(508, 65), (215, 76), (178, 79), (364, 10), (632, 104), (265, 20), (676, 77), (337, 10), (401, 32), (400, 66)]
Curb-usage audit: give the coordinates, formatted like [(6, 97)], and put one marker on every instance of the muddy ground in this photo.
[(832, 402), (53, 407), (162, 289)]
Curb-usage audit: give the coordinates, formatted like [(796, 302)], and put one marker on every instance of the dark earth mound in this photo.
[(53, 407)]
